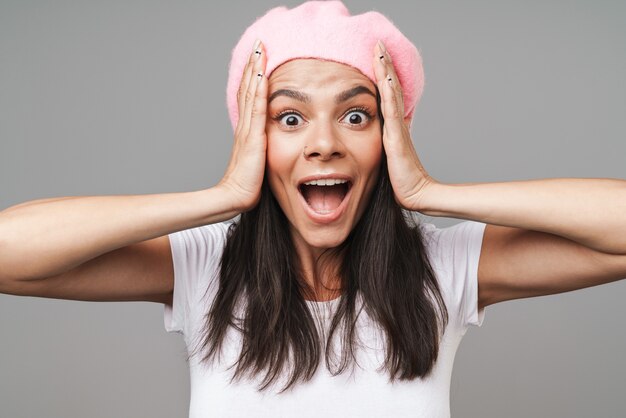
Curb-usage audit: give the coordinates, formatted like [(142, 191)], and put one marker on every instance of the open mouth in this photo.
[(324, 196)]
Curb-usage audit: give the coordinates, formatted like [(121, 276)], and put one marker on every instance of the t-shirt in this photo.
[(364, 391)]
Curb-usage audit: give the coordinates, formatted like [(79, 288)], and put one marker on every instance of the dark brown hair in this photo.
[(383, 260)]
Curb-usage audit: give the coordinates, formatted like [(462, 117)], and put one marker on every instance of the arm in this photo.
[(591, 212), (44, 239), (542, 236), (115, 247)]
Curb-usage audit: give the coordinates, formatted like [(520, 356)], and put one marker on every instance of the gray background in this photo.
[(127, 97)]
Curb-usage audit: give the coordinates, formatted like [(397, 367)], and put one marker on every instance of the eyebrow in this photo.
[(305, 98)]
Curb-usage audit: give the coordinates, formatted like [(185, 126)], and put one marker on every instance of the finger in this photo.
[(250, 93), (388, 98), (378, 66), (390, 72), (245, 76), (379, 75), (259, 106), (245, 79)]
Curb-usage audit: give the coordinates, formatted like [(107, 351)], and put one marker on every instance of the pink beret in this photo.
[(326, 30)]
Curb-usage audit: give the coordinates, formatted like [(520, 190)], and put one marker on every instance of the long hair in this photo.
[(383, 260)]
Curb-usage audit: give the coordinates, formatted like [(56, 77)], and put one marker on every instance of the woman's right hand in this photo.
[(244, 174)]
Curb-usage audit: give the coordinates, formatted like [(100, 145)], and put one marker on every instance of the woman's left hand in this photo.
[(408, 177)]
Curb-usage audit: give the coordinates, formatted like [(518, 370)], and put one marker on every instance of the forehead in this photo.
[(313, 73)]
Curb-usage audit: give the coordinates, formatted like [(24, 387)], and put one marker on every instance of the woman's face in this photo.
[(322, 127)]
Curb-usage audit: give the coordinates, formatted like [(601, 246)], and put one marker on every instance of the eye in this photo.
[(289, 118), (357, 116)]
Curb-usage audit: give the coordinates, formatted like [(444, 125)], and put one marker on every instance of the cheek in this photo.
[(281, 157), (371, 155)]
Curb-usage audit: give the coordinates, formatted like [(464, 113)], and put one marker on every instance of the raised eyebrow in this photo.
[(305, 98), (354, 91), (294, 94)]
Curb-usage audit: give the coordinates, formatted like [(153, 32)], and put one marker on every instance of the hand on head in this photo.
[(409, 179), (244, 174)]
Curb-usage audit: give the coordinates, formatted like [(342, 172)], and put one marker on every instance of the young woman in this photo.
[(323, 297)]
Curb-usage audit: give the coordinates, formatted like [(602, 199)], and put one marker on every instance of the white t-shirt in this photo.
[(365, 392)]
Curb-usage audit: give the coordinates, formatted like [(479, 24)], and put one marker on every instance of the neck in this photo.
[(320, 268)]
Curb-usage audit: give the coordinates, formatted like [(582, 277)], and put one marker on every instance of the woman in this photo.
[(300, 243)]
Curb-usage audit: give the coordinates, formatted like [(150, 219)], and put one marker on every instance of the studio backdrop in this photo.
[(128, 97)]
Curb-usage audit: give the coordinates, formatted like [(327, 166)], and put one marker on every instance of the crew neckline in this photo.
[(323, 302), (325, 308)]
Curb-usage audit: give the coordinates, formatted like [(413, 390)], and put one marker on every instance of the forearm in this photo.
[(591, 212), (42, 238)]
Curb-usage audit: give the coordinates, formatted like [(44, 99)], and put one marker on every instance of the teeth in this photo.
[(325, 182)]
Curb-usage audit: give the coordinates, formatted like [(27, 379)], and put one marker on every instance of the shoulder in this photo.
[(196, 254), (454, 254), (200, 247), (206, 236), (443, 244)]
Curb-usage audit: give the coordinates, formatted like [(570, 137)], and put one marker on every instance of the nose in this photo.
[(323, 143)]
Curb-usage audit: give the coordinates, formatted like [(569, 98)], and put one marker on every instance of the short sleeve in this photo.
[(196, 253), (454, 254)]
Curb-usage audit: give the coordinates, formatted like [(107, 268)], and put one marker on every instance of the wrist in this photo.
[(456, 200), (231, 198), (432, 198)]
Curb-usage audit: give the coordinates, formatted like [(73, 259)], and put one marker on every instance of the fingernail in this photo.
[(382, 46), (257, 51)]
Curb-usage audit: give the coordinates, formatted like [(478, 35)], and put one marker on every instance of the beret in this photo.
[(326, 30)]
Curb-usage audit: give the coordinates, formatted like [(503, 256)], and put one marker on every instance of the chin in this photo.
[(323, 237)]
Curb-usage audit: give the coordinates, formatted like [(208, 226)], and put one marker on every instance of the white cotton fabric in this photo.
[(365, 392)]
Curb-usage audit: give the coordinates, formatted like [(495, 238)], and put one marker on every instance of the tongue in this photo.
[(324, 198)]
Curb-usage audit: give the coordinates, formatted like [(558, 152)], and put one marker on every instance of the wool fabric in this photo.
[(326, 30)]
